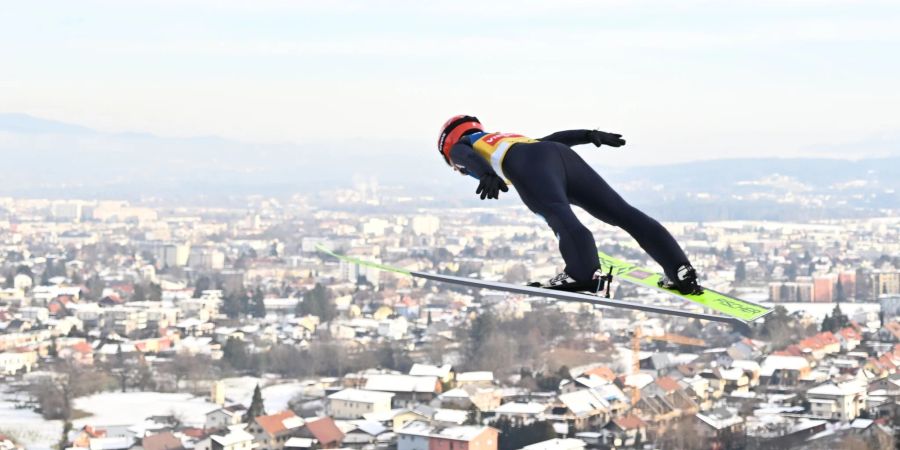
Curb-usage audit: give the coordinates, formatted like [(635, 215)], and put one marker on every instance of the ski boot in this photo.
[(685, 283), (564, 282)]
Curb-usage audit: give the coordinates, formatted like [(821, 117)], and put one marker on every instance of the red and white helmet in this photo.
[(453, 130)]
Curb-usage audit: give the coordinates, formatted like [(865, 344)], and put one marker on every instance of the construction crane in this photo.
[(636, 337), (679, 339), (635, 364)]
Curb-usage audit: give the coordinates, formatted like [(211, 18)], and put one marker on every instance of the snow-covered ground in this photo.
[(275, 396), (26, 426), (129, 408), (133, 408)]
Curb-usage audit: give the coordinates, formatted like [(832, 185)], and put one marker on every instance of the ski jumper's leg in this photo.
[(538, 173), (590, 191)]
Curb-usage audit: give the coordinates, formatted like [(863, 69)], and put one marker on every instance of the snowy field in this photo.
[(26, 426), (129, 408), (133, 408), (275, 396)]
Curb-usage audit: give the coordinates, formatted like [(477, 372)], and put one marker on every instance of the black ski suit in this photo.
[(549, 177)]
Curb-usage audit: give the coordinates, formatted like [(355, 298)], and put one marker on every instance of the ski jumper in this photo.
[(550, 177)]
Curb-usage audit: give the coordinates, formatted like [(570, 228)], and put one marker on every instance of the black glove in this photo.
[(490, 185), (598, 138)]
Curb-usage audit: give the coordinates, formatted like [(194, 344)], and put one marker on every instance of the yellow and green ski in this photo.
[(717, 301), (737, 312)]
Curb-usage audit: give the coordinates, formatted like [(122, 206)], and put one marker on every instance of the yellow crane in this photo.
[(635, 364), (636, 336)]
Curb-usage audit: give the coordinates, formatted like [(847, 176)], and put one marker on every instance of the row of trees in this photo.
[(323, 358), (497, 345)]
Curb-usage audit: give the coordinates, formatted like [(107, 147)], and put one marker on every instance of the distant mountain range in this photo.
[(54, 159)]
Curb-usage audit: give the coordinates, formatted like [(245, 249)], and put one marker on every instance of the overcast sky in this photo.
[(681, 80)]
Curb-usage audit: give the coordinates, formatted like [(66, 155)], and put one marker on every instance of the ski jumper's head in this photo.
[(453, 130)]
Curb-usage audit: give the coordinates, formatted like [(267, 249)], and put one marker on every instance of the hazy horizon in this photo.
[(682, 81)]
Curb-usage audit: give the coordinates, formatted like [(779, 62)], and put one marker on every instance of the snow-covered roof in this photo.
[(782, 362), (400, 383), (721, 418), (520, 408), (733, 374), (455, 393), (746, 364), (638, 380), (110, 443), (298, 442), (362, 396), (369, 427), (583, 402), (463, 433), (834, 390), (557, 444), (456, 416), (475, 376), (235, 435), (292, 422), (429, 370)]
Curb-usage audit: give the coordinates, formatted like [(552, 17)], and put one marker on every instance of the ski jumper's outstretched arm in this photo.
[(468, 162), (580, 137), (464, 158)]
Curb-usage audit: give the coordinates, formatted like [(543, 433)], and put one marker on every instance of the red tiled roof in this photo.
[(82, 347), (161, 441), (274, 423), (603, 372), (325, 430), (851, 333), (667, 384), (93, 432), (195, 433), (629, 422)]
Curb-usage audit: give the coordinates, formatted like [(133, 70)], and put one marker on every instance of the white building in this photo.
[(354, 403), (837, 401), (223, 418), (14, 362)]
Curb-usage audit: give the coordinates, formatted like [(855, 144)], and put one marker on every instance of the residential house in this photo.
[(557, 444), (82, 438), (396, 419), (783, 372), (837, 401), (6, 443), (272, 431), (225, 417), (466, 397), (162, 441), (672, 395), (355, 403), (751, 370), (719, 422), (324, 431), (15, 361), (79, 352), (627, 431), (236, 438), (423, 436), (734, 379), (483, 378), (583, 409), (521, 413), (408, 390), (361, 432), (444, 373)]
